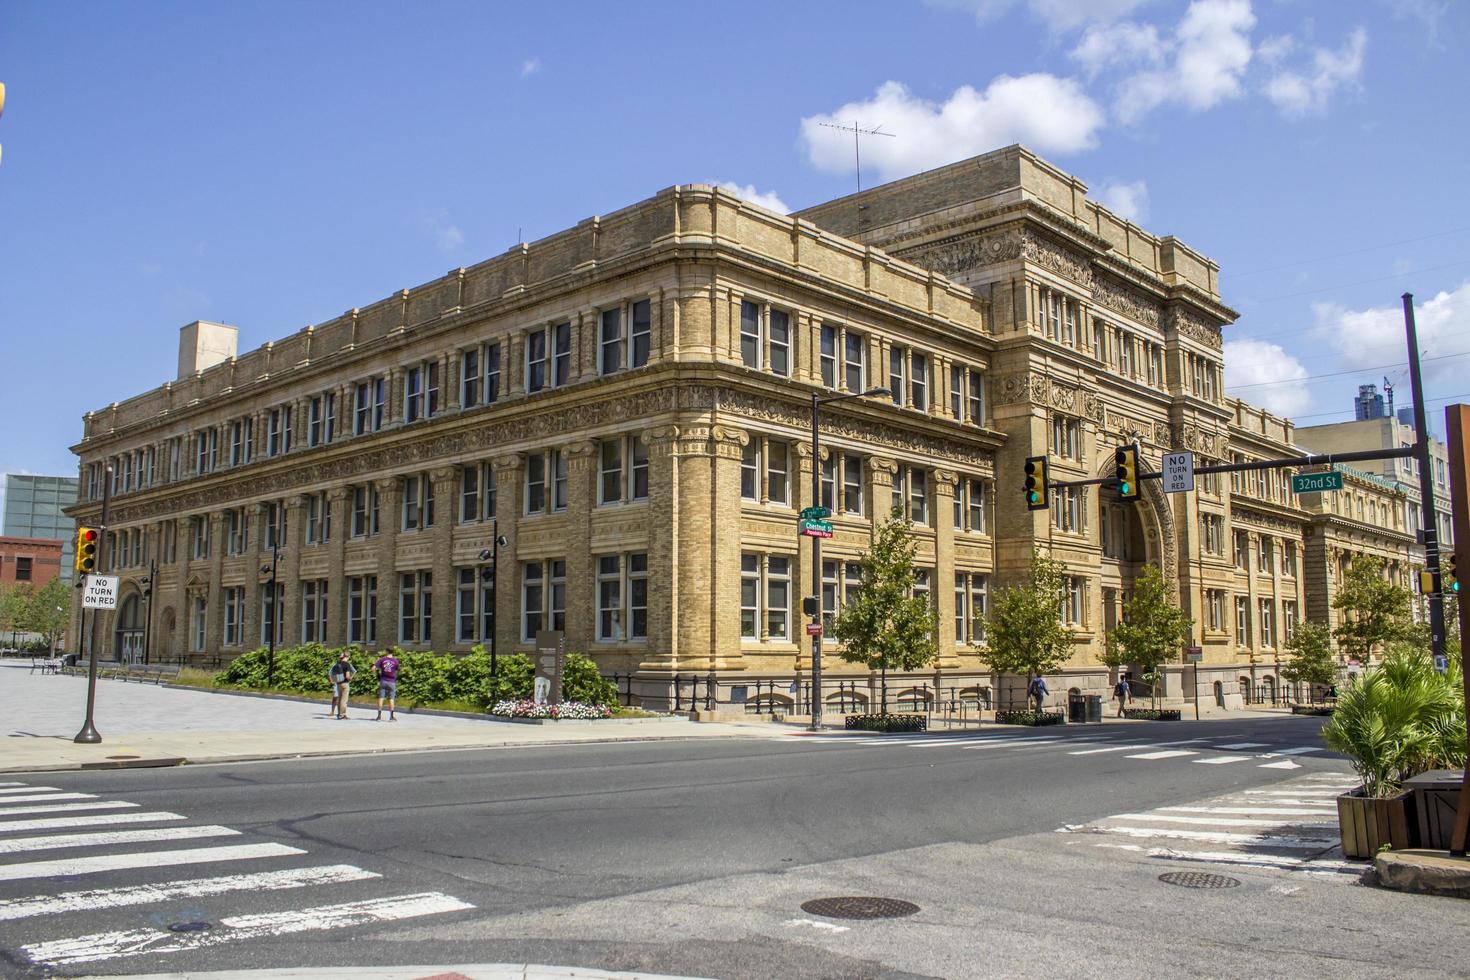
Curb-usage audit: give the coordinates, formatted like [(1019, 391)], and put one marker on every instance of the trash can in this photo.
[(1436, 797), (1076, 709), (1094, 708)]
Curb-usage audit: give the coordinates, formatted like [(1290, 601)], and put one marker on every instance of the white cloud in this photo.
[(1128, 201), (1374, 336), (1278, 380), (1299, 94), (445, 234), (530, 66), (1115, 46), (768, 199), (1059, 15), (1273, 49), (1209, 52), (1047, 113)]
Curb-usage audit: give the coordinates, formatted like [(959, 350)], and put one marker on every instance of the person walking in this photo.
[(1122, 693), (1037, 691), (341, 675), (386, 670)]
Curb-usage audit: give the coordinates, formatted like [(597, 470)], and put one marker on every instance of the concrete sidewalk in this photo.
[(149, 725)]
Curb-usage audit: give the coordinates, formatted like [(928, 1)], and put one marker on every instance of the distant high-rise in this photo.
[(1370, 403), (33, 507)]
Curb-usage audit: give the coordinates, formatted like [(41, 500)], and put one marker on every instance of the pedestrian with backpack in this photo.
[(341, 676), (1121, 692), (386, 670), (1037, 691)]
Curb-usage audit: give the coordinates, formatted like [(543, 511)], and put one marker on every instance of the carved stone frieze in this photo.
[(956, 257), (1055, 258), (1241, 515), (1192, 437), (1125, 300), (1195, 327)]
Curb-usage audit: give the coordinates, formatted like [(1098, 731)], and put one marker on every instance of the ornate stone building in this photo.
[(628, 404)]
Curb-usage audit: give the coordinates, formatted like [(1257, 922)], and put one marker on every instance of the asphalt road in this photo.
[(693, 858)]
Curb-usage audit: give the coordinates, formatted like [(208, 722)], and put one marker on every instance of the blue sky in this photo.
[(273, 164)]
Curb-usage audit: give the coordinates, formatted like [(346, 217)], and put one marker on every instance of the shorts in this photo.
[(387, 689)]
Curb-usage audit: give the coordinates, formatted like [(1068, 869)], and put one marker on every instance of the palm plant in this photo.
[(1399, 719)]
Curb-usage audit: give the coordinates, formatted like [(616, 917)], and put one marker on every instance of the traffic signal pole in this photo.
[(89, 734), (1426, 484), (1457, 426)]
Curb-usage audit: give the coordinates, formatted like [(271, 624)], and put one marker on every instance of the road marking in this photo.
[(1298, 793), (111, 898), (146, 859), (1216, 821), (1300, 750), (1283, 764), (1222, 837), (110, 945), (12, 784), (1182, 741), (95, 820), (41, 798), (15, 845), (1166, 754), (64, 808), (819, 926), (1114, 748), (18, 788), (1222, 760), (1283, 862), (1244, 745), (1302, 811)]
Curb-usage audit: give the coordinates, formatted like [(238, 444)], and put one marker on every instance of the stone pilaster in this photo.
[(509, 490), (945, 485), (390, 517), (881, 471), (288, 572), (393, 411), (801, 565), (445, 588), (337, 504), (581, 499), (214, 610)]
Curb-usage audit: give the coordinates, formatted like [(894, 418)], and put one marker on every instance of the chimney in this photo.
[(203, 344)]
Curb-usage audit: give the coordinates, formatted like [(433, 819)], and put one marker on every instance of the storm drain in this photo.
[(859, 907), (188, 926), (1198, 879)]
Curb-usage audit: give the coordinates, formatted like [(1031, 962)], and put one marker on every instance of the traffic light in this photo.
[(1038, 485), (1449, 575), (1126, 458), (86, 550)]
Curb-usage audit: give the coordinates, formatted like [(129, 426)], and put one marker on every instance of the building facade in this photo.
[(35, 508), (30, 562), (628, 404)]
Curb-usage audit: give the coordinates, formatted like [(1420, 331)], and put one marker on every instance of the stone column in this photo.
[(390, 492), (449, 382), (445, 587), (337, 499), (881, 471), (1252, 605), (585, 344), (801, 565), (945, 482), (581, 576), (509, 491), (214, 614), (182, 553), (250, 621), (393, 411), (288, 571)]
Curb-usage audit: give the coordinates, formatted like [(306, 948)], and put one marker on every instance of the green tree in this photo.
[(1025, 634), (1152, 631), (1375, 612), (1310, 653), (14, 602), (48, 610), (886, 626)]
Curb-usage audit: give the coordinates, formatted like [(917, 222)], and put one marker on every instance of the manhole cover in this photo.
[(188, 926), (859, 907), (1198, 879), (125, 757)]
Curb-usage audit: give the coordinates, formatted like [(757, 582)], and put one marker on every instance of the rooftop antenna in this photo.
[(858, 132)]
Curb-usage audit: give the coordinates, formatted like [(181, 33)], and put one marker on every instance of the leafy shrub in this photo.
[(1311, 709), (1026, 716), (581, 681), (886, 723), (1152, 714)]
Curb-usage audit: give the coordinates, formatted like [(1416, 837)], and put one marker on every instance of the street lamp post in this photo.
[(275, 623), (492, 555), (817, 402)]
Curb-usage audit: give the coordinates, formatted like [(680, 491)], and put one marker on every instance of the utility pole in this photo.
[(1426, 483), (1457, 426)]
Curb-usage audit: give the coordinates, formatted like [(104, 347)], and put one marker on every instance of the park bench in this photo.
[(46, 665), (157, 673)]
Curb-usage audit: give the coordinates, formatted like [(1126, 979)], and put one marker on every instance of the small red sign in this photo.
[(813, 629)]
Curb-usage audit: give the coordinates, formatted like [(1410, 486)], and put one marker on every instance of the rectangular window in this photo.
[(642, 337), (199, 537), (1288, 559), (321, 419), (1242, 621), (898, 364), (750, 334), (1288, 620), (609, 599), (557, 594), (558, 480), (1074, 590), (561, 354), (1267, 624), (778, 473), (750, 466), (536, 483), (271, 620), (476, 492), (637, 596), (750, 591), (957, 392), (919, 389), (1066, 512), (1066, 437), (533, 600), (610, 354), (852, 483), (778, 597), (364, 511), (829, 355), (278, 431), (1242, 550), (466, 612), (610, 486), (314, 611), (234, 597), (421, 391), (362, 610), (200, 623), (537, 361), (492, 374), (1215, 601), (911, 490), (370, 402), (471, 380), (235, 531), (969, 506), (1265, 555), (853, 363), (780, 327), (415, 606)]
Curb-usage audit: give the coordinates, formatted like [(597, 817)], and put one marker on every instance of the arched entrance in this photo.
[(128, 633)]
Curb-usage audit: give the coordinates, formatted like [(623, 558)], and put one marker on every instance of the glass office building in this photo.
[(33, 509)]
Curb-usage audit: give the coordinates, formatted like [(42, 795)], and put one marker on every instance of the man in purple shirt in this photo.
[(386, 669)]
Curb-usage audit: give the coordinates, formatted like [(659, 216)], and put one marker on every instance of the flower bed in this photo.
[(1311, 709), (886, 723), (1152, 714), (1025, 716), (568, 710)]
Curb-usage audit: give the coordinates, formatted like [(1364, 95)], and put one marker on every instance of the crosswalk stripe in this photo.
[(1166, 754), (110, 945), (1283, 764), (12, 784), (1111, 748), (1244, 745), (1298, 793), (1214, 821), (64, 808), (1300, 750), (95, 820), (110, 898), (1284, 862), (16, 845), (1300, 811), (1222, 760), (18, 788), (44, 797), (1222, 837), (144, 859)]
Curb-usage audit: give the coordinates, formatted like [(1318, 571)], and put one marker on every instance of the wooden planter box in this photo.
[(1367, 824)]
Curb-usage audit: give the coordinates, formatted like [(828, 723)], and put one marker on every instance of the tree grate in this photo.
[(1198, 879), (859, 907)]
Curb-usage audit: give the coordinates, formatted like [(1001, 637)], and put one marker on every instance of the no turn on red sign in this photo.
[(99, 592)]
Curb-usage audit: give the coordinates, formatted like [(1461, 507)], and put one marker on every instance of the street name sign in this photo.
[(99, 592), (815, 513), (813, 629), (1178, 472), (814, 529), (1316, 482)]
